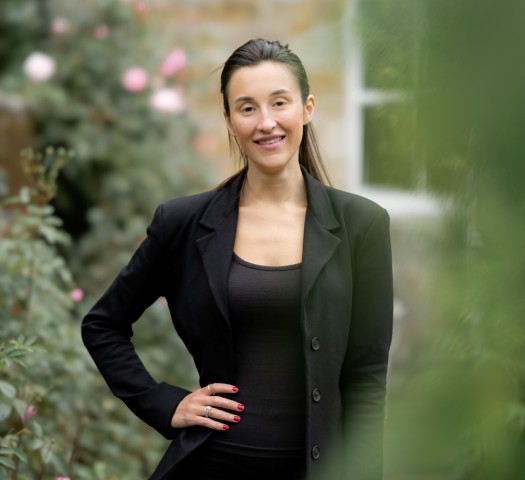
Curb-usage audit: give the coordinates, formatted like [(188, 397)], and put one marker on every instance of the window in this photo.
[(380, 145)]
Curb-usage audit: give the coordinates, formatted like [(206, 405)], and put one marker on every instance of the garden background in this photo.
[(108, 108)]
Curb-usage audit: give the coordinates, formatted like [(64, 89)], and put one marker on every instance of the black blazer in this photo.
[(346, 320)]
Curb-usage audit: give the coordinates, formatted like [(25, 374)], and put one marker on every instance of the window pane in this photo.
[(389, 146), (388, 32)]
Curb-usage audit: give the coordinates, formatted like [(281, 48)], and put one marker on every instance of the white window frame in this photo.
[(357, 97)]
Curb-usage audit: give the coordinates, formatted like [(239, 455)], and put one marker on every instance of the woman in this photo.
[(281, 289)]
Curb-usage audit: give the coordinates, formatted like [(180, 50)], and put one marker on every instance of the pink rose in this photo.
[(77, 295), (174, 62), (101, 32), (135, 79), (168, 100), (62, 478), (29, 413), (140, 8), (60, 26), (39, 67)]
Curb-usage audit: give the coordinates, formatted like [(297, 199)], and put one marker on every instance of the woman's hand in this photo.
[(194, 409)]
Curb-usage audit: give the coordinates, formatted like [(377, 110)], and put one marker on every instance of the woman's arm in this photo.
[(365, 368), (107, 332)]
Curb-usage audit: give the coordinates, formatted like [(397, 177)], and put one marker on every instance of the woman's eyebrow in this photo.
[(246, 98), (281, 91)]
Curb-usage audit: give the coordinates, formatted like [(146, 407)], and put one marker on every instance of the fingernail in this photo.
[(236, 418), (225, 427), (240, 407), (235, 389)]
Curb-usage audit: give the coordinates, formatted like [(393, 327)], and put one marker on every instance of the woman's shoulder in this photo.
[(359, 217), (185, 210), (354, 204), (188, 204)]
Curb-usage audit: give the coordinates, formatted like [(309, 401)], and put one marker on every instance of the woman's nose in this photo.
[(266, 121)]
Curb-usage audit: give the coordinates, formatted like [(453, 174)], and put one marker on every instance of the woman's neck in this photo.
[(286, 187)]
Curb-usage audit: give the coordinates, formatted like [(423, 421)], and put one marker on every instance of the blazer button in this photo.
[(316, 452), (316, 395), (315, 343)]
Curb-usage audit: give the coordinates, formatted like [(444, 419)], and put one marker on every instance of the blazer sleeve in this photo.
[(365, 366), (107, 332)]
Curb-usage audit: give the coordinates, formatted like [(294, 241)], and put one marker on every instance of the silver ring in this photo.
[(207, 410), (210, 390)]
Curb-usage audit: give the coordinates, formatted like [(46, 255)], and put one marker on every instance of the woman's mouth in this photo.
[(269, 141)]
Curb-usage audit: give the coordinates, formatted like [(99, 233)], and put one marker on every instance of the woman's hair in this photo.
[(253, 53)]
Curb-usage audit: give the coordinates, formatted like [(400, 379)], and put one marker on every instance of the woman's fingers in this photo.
[(217, 417), (206, 407), (216, 400), (215, 388), (218, 414)]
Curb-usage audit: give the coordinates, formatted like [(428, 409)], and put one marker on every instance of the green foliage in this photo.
[(129, 157), (49, 424), (33, 275), (75, 224), (460, 412)]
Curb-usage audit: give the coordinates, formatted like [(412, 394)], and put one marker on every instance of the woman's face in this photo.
[(267, 115)]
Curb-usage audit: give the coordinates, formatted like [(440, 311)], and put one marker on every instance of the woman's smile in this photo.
[(272, 140)]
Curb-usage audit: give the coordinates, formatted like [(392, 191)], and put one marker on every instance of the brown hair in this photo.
[(253, 53)]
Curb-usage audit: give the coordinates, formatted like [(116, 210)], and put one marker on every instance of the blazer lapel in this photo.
[(319, 242), (216, 247)]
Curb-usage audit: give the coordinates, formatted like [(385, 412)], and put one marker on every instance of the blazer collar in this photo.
[(319, 203), (319, 243), (216, 246), (227, 200)]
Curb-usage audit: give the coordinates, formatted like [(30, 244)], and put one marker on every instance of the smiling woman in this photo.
[(280, 287)]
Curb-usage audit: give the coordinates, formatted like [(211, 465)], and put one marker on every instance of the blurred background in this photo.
[(108, 108)]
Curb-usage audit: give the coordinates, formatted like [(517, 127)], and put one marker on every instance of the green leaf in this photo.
[(25, 195), (37, 428), (7, 389), (20, 406), (7, 462), (14, 451), (5, 411), (36, 444), (18, 362)]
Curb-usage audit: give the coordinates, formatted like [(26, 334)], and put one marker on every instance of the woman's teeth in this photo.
[(268, 142)]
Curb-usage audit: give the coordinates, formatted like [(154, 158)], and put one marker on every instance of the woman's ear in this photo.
[(229, 124), (309, 108)]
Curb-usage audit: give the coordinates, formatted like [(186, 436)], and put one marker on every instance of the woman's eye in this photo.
[(247, 109), (280, 103)]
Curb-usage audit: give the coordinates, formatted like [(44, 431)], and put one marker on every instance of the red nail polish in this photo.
[(236, 418), (235, 389), (240, 407), (225, 427)]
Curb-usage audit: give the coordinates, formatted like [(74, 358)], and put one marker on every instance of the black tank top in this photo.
[(265, 317)]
